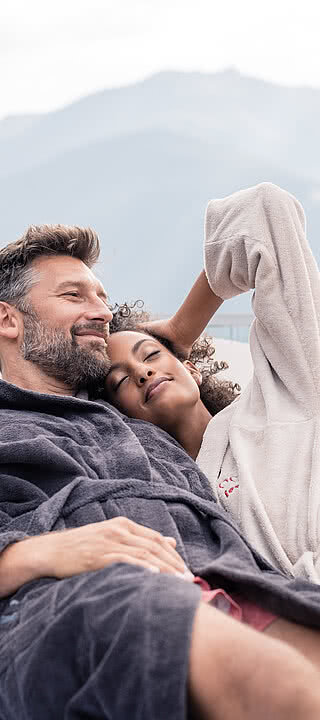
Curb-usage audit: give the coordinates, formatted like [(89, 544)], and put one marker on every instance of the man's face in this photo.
[(66, 323)]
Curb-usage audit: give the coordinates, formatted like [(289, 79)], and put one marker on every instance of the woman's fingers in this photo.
[(168, 330)]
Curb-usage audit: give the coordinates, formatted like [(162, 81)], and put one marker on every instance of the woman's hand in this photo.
[(169, 330), (187, 324)]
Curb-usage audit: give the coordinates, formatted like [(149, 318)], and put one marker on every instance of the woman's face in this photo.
[(147, 381)]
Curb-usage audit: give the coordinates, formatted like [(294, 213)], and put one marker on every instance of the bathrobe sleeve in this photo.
[(256, 239)]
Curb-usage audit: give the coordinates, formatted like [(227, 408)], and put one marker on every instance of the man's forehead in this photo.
[(61, 270)]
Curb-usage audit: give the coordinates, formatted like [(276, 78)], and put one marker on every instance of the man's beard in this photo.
[(62, 358)]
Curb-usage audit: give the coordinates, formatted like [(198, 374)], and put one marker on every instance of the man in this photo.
[(102, 520)]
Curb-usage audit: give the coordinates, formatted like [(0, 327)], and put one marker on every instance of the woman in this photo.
[(194, 397), (261, 453)]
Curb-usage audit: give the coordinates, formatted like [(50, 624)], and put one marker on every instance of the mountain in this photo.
[(140, 163), (12, 125)]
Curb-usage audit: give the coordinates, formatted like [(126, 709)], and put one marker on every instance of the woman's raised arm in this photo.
[(185, 326)]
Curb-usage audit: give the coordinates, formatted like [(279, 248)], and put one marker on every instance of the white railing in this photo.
[(232, 326)]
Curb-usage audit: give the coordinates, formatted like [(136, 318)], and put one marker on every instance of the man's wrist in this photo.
[(23, 561)]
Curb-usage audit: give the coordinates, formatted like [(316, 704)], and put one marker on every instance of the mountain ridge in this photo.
[(143, 173)]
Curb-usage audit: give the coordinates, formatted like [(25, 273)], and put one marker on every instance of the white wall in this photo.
[(238, 357)]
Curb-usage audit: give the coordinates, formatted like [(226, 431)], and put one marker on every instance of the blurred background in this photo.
[(130, 115)]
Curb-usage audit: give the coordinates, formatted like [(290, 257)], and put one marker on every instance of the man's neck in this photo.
[(29, 377)]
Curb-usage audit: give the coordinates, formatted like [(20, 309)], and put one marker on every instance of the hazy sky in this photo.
[(54, 52)]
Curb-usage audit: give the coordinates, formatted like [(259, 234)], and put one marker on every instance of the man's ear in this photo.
[(194, 371), (9, 323)]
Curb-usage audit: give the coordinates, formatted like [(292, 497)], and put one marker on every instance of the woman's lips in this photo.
[(156, 387)]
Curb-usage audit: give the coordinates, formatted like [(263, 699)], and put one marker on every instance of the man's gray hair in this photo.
[(17, 276)]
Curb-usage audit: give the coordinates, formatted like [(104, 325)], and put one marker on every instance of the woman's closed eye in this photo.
[(116, 387), (155, 352), (125, 377)]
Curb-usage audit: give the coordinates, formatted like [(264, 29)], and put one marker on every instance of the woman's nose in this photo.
[(144, 375)]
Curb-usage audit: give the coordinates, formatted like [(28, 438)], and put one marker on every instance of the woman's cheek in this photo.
[(131, 404)]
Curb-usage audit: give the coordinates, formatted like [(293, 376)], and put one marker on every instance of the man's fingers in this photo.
[(142, 531), (99, 544), (160, 553), (146, 560), (142, 540), (157, 544)]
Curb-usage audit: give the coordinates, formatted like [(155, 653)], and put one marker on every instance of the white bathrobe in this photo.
[(262, 453)]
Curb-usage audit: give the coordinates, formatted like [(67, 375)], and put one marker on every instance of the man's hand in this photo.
[(90, 547), (94, 546)]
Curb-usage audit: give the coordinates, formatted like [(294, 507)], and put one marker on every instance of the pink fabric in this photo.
[(239, 609)]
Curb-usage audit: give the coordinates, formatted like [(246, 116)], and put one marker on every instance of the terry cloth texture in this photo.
[(262, 453), (105, 641), (110, 644)]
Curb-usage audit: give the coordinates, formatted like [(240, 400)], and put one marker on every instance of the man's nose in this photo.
[(99, 311)]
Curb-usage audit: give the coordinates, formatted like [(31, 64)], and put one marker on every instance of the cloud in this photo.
[(52, 52)]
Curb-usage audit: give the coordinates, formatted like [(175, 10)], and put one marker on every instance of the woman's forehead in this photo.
[(129, 338), (131, 335)]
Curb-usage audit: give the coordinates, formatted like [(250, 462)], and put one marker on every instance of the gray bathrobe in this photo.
[(113, 643)]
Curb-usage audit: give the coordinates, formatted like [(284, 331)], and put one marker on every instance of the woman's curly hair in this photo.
[(215, 394)]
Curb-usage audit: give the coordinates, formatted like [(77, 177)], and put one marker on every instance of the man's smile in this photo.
[(93, 335)]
